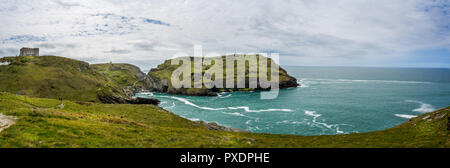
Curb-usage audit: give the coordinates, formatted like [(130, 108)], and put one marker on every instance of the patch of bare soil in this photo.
[(6, 121)]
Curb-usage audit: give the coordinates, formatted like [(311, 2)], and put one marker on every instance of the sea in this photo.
[(330, 100)]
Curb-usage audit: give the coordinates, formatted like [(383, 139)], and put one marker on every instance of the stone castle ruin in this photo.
[(29, 51)]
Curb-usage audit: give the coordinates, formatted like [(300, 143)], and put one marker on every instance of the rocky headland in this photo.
[(159, 79)]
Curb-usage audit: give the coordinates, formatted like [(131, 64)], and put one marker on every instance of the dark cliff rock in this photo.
[(153, 83), (115, 99), (141, 100)]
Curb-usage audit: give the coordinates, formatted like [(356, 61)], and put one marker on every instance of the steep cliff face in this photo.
[(159, 79), (154, 83)]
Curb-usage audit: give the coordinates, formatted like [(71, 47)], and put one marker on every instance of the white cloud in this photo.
[(303, 32)]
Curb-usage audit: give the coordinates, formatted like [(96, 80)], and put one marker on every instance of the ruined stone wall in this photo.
[(29, 52)]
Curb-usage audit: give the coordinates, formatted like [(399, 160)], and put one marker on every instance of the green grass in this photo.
[(123, 74), (59, 77), (43, 123)]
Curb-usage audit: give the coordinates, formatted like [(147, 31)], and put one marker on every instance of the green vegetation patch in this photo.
[(123, 74)]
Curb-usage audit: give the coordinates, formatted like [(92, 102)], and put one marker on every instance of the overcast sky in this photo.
[(404, 33)]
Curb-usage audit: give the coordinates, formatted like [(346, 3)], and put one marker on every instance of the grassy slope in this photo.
[(44, 123), (123, 74), (56, 77)]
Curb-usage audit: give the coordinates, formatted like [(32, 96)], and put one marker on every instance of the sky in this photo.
[(381, 33)]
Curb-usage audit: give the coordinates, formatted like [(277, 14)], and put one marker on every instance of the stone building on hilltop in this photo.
[(29, 51)]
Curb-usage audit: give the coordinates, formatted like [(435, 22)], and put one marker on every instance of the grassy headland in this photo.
[(65, 78)]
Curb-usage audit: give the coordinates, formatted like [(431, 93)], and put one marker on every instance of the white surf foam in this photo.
[(424, 108), (322, 124), (185, 101), (193, 119), (315, 116), (405, 116), (312, 113), (147, 93), (302, 83), (291, 122), (221, 96), (172, 106), (245, 108), (339, 131)]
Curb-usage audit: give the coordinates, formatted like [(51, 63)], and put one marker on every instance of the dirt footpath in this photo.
[(6, 121)]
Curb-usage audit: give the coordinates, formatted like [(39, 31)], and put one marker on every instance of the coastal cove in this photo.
[(331, 100), (61, 102)]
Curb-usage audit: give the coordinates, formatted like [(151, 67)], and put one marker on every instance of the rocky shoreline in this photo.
[(115, 99)]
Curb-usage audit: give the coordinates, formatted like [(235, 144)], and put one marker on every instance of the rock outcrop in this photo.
[(120, 99), (141, 100), (153, 83)]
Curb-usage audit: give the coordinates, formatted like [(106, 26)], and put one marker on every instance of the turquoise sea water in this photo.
[(331, 100)]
